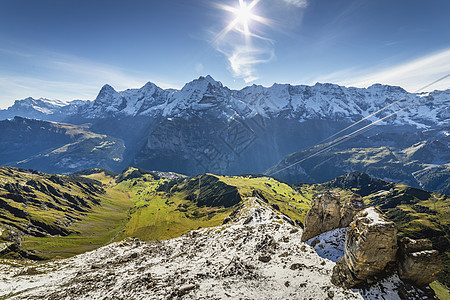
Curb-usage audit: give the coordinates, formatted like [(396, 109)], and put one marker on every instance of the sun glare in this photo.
[(243, 15), (242, 43)]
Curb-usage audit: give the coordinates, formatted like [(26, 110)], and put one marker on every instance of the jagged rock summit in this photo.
[(300, 102), (208, 127)]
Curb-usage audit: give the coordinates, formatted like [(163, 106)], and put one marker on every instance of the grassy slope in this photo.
[(152, 207), (161, 212), (97, 228), (160, 215), (287, 200), (33, 202)]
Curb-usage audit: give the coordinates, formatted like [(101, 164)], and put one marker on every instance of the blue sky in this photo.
[(68, 49)]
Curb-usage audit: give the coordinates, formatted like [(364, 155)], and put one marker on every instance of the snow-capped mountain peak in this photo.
[(205, 94)]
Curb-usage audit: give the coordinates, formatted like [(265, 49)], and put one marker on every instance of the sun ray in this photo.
[(243, 46)]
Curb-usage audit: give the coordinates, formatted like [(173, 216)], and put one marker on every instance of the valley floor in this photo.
[(256, 255)]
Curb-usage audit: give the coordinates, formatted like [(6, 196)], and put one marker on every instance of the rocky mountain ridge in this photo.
[(300, 102), (257, 254), (57, 147), (207, 127)]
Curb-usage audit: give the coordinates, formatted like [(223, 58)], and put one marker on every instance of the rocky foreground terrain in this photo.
[(255, 254)]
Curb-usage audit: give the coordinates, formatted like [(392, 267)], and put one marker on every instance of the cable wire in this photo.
[(363, 129)]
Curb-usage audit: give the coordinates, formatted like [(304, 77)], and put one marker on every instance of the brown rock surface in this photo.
[(324, 215), (418, 263), (350, 208), (327, 213), (370, 247)]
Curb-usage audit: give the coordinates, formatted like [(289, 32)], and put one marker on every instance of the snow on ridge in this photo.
[(322, 100), (260, 258)]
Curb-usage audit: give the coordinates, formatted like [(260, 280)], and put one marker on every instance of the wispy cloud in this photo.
[(243, 48), (244, 57), (411, 75), (65, 77), (298, 3)]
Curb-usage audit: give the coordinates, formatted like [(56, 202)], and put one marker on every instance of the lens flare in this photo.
[(243, 15), (244, 47)]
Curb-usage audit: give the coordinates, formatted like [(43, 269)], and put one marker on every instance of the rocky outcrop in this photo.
[(418, 263), (370, 248), (324, 215), (350, 208), (327, 214)]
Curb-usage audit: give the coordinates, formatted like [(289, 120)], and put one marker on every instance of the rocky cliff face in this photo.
[(370, 247), (324, 215), (372, 252), (418, 263), (327, 214), (350, 208)]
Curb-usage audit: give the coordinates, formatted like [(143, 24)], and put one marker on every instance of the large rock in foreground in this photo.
[(324, 215), (327, 213), (418, 264), (370, 249)]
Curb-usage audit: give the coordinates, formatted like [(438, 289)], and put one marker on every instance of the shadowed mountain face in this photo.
[(56, 147), (418, 159)]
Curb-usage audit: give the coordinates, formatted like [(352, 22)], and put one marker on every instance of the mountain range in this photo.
[(207, 127)]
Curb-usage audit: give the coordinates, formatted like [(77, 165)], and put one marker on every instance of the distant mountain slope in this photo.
[(56, 147), (435, 178), (207, 127), (417, 159)]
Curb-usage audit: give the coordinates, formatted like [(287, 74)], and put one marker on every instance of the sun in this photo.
[(243, 15)]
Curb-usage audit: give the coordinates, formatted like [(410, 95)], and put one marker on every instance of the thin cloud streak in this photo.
[(243, 49), (298, 3), (243, 58), (71, 78), (411, 75)]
